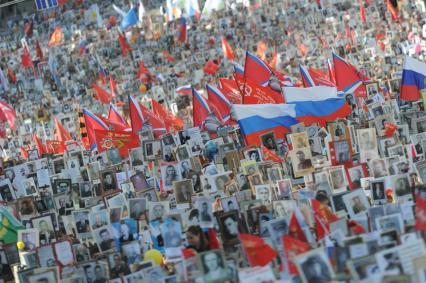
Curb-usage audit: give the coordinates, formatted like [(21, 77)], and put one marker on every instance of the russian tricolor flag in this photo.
[(317, 104), (201, 109), (186, 89), (256, 70), (222, 103), (258, 119), (413, 79)]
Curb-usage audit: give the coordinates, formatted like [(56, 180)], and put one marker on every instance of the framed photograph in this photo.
[(114, 156), (322, 182), (356, 202), (85, 189), (378, 191), (229, 203), (263, 193), (98, 219), (389, 222), (171, 230), (108, 181), (299, 140), (183, 191), (104, 238), (58, 165), (213, 266), (44, 277), (367, 142), (63, 252), (149, 195), (277, 228), (93, 171), (132, 251), (137, 207), (81, 253), (26, 208), (81, 220), (220, 180), (268, 140), (182, 152), (340, 152), (30, 238), (338, 131), (372, 89), (253, 154), (117, 265), (46, 256), (301, 160), (401, 186), (420, 125), (231, 188), (158, 210), (170, 173), (152, 149), (139, 182), (230, 226), (378, 167), (338, 179), (7, 192), (136, 157), (204, 207), (283, 208), (313, 265), (46, 229), (283, 189), (61, 186), (63, 204)]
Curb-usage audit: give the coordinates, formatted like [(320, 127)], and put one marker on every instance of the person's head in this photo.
[(220, 183), (98, 272), (378, 166), (254, 155), (300, 155), (243, 178), (356, 174), (205, 206), (63, 186), (231, 225), (44, 227), (194, 215), (270, 142), (231, 205), (356, 200), (338, 178), (108, 179), (10, 174), (117, 259), (171, 171), (104, 235), (124, 230), (185, 165), (263, 193), (211, 261), (62, 202), (158, 210)]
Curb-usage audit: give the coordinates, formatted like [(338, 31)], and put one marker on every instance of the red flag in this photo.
[(258, 252), (115, 116), (123, 44), (348, 78), (168, 56), (171, 122), (141, 117), (295, 230), (362, 12), (56, 37), (143, 72), (273, 62), (39, 51), (121, 140), (228, 53), (292, 248), (112, 85), (355, 227), (11, 75), (39, 145), (210, 68), (321, 230), (56, 147), (268, 154), (390, 129), (393, 10), (60, 133), (261, 49), (26, 59), (257, 94), (101, 94), (7, 114), (420, 212), (24, 153), (230, 89), (323, 212)]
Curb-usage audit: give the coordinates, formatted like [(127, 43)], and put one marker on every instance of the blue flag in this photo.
[(129, 20)]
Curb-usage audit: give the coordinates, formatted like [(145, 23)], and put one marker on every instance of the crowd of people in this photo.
[(339, 200)]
